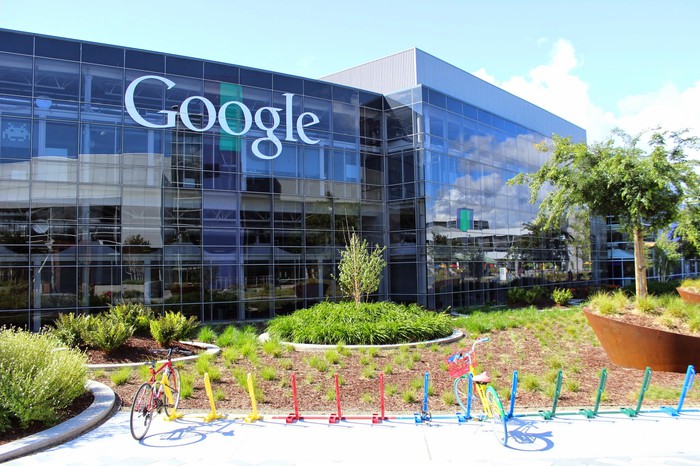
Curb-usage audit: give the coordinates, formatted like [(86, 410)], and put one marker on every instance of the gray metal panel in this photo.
[(385, 75), (407, 69), (444, 77)]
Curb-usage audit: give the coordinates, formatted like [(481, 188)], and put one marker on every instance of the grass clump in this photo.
[(40, 378), (609, 304), (370, 324), (206, 334), (120, 376)]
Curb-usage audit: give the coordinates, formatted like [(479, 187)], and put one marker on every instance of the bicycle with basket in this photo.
[(462, 366)]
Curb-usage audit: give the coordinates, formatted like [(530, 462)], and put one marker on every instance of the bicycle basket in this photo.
[(457, 365)]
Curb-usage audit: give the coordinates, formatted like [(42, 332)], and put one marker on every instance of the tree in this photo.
[(359, 271), (643, 190)]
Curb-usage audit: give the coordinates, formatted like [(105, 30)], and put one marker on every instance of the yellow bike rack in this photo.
[(213, 415), (252, 417), (169, 395)]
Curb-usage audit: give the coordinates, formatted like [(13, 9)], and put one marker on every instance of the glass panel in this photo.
[(15, 74), (287, 164), (184, 66), (93, 53), (103, 84), (54, 139), (15, 138), (56, 79), (101, 140), (345, 119), (145, 61), (322, 109)]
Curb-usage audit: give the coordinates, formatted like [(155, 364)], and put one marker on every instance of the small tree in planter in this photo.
[(359, 270)]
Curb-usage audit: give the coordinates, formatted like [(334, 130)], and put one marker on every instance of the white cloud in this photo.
[(556, 87)]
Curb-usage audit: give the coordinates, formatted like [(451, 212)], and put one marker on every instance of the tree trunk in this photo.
[(640, 267)]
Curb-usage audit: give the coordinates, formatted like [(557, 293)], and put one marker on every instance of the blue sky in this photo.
[(601, 64)]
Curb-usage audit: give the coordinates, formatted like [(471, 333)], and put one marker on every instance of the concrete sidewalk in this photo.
[(651, 438)]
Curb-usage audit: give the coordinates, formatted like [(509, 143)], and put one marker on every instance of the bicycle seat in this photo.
[(482, 378)]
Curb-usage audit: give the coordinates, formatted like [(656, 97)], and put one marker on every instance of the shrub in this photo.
[(515, 296), (371, 324), (534, 294), (562, 296), (69, 329), (40, 377), (106, 332), (172, 327), (136, 315)]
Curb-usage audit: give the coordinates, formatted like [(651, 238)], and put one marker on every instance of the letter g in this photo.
[(131, 107)]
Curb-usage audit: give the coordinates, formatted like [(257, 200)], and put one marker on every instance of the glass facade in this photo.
[(225, 192)]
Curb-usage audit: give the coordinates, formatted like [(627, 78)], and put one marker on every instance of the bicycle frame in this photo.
[(164, 386)]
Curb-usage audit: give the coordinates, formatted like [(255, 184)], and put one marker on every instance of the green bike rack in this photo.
[(591, 413), (547, 415), (645, 385)]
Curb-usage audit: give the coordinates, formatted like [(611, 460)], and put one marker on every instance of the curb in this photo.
[(456, 335), (102, 407), (210, 349)]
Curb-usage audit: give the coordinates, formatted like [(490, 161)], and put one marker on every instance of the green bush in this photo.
[(562, 296), (136, 315), (656, 288), (172, 327), (371, 324), (70, 329), (534, 294), (515, 296), (106, 332), (39, 377)]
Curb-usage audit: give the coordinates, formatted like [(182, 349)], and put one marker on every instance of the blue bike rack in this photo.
[(424, 415), (513, 393), (687, 385)]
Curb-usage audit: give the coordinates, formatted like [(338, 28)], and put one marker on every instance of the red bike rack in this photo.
[(336, 417)]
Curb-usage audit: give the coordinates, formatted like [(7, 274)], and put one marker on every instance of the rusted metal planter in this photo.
[(688, 296), (630, 345)]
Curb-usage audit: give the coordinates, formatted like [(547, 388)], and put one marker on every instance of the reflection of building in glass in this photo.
[(225, 191)]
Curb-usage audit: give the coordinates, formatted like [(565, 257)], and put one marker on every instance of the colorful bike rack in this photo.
[(591, 413), (213, 415), (557, 391), (687, 385), (169, 395), (424, 415), (338, 416), (513, 394), (645, 386)]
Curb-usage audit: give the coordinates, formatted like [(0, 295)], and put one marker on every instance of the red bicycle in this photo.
[(159, 393)]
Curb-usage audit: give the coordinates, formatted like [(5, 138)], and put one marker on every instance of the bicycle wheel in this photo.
[(496, 415), (174, 385), (142, 407), (461, 388)]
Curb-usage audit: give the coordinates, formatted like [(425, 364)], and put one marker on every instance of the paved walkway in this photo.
[(610, 439)]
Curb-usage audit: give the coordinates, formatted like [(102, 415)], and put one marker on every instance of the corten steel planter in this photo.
[(688, 296), (630, 345)]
